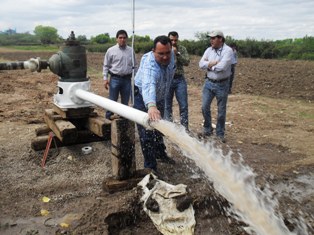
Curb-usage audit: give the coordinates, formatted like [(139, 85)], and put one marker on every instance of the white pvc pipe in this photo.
[(125, 111)]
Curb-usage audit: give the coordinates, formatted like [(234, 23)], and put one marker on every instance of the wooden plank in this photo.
[(42, 130), (52, 115), (85, 136), (74, 112), (40, 142), (64, 130), (123, 148), (113, 185), (99, 126)]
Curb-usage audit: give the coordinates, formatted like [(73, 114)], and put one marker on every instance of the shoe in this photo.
[(203, 135), (166, 159), (221, 139), (158, 174)]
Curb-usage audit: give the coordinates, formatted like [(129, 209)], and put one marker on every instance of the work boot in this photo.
[(204, 135), (221, 139), (154, 172), (166, 159)]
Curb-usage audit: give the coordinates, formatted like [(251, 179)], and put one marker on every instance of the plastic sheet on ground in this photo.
[(168, 220)]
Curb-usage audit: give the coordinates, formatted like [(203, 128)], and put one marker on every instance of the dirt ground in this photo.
[(270, 122)]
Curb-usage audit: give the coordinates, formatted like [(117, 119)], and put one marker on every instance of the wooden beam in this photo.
[(99, 126), (63, 129), (112, 185), (42, 130), (123, 148), (85, 136), (74, 112)]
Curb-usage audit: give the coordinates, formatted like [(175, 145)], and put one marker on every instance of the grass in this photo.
[(306, 115), (49, 48)]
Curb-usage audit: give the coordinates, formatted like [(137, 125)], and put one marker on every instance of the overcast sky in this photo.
[(255, 19)]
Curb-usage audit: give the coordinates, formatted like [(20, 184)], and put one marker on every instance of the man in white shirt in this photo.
[(216, 61), (118, 63)]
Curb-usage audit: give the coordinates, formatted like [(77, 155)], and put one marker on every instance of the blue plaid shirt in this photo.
[(153, 79)]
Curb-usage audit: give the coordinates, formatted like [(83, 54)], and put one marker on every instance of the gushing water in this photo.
[(234, 181)]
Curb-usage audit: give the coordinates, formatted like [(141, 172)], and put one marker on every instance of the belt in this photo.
[(217, 81), (120, 76)]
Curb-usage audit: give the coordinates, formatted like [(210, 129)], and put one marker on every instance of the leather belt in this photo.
[(217, 81), (127, 76)]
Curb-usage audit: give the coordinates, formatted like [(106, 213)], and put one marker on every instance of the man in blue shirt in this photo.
[(152, 83), (216, 61)]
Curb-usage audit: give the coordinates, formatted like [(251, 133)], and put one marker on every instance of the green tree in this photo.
[(101, 38), (202, 36), (138, 38), (46, 34), (82, 39), (18, 39)]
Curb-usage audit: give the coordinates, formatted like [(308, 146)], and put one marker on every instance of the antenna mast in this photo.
[(133, 59)]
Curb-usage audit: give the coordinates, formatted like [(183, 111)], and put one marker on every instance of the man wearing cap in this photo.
[(216, 61)]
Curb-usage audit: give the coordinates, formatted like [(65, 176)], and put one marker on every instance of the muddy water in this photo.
[(234, 181)]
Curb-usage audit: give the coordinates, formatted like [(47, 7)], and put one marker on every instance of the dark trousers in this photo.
[(152, 142), (231, 76), (179, 89)]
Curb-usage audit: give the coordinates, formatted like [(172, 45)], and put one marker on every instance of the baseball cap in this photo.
[(216, 33)]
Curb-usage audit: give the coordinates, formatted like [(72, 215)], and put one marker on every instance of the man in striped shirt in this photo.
[(152, 83), (118, 65)]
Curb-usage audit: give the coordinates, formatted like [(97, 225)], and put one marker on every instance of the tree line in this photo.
[(298, 48)]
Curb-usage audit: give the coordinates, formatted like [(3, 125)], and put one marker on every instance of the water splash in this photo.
[(234, 181)]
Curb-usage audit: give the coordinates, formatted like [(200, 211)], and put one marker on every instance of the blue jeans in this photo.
[(220, 91), (179, 88), (118, 86), (152, 142)]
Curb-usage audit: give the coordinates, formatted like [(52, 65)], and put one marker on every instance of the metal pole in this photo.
[(125, 111), (133, 59)]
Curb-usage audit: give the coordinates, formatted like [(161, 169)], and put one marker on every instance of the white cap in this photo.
[(216, 33)]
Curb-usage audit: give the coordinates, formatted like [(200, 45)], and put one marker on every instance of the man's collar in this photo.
[(122, 47), (218, 49)]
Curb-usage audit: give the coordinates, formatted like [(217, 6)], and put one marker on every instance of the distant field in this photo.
[(29, 48)]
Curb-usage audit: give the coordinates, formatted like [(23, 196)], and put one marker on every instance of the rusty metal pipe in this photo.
[(33, 64), (12, 65)]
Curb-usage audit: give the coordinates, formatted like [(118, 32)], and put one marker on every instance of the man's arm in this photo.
[(183, 56), (106, 67), (204, 63), (224, 63)]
